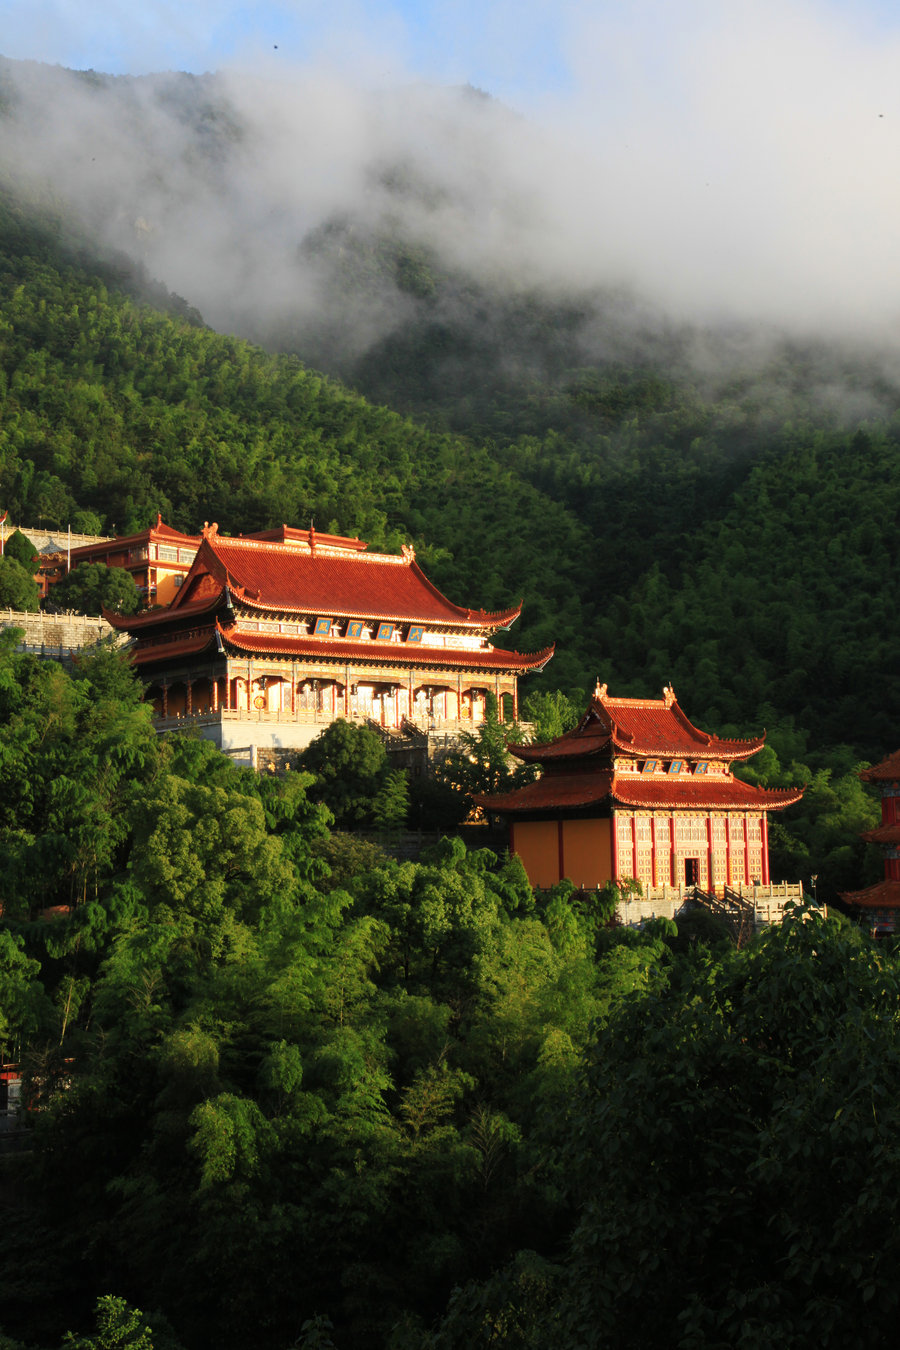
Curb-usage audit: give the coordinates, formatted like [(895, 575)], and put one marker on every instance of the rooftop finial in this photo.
[(600, 690), (668, 694)]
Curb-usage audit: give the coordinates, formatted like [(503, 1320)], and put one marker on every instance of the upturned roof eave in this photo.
[(496, 659), (554, 794)]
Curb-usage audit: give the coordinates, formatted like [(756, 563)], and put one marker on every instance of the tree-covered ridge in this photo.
[(658, 530), (116, 408)]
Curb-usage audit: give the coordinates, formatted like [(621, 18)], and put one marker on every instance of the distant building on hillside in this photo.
[(637, 791), (272, 636), (878, 906), (158, 559)]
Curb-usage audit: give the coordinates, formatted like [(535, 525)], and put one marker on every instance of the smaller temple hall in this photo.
[(636, 790)]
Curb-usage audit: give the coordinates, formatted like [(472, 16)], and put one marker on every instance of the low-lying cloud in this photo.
[(730, 163)]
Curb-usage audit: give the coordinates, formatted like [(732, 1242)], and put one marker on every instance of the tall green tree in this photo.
[(91, 588), (18, 589)]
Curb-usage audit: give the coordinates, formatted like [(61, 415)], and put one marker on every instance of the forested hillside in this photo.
[(655, 532)]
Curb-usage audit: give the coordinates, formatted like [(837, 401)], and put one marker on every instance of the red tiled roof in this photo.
[(161, 617), (563, 791), (592, 737), (684, 792), (883, 895), (276, 577), (159, 531), (639, 727), (646, 726), (882, 834), (383, 653), (886, 772)]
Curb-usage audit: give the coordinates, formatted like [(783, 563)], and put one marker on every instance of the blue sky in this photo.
[(525, 51)]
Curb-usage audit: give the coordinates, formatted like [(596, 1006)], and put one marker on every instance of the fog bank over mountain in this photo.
[(748, 181)]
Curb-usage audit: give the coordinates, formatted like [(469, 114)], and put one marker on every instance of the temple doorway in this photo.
[(692, 871)]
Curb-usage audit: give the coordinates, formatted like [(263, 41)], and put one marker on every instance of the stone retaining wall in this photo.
[(56, 635)]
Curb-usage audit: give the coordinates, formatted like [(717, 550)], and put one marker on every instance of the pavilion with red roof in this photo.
[(636, 790), (274, 634), (878, 906)]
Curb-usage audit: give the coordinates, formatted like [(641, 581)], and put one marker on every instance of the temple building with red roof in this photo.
[(158, 559), (878, 906), (271, 636), (635, 790)]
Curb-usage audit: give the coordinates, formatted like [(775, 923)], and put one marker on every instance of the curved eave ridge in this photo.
[(883, 895), (888, 771), (883, 834), (569, 792), (174, 650), (689, 748), (149, 619), (562, 792), (383, 653), (564, 747)]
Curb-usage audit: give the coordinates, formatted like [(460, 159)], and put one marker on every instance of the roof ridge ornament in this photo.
[(408, 552), (209, 531), (600, 690), (668, 695)]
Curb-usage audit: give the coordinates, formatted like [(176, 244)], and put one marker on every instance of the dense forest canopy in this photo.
[(286, 1090), (657, 531)]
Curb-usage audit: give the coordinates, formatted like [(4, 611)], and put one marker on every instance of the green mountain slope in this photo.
[(114, 407), (657, 528)]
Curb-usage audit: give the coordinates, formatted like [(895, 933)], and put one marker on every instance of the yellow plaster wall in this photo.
[(537, 844), (166, 590), (587, 853)]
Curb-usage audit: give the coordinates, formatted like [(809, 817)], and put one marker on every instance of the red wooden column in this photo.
[(746, 850), (672, 880), (653, 863), (710, 885), (765, 848), (634, 863), (614, 829), (215, 694), (729, 867)]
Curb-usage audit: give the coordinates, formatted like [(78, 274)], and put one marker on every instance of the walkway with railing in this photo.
[(743, 907)]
